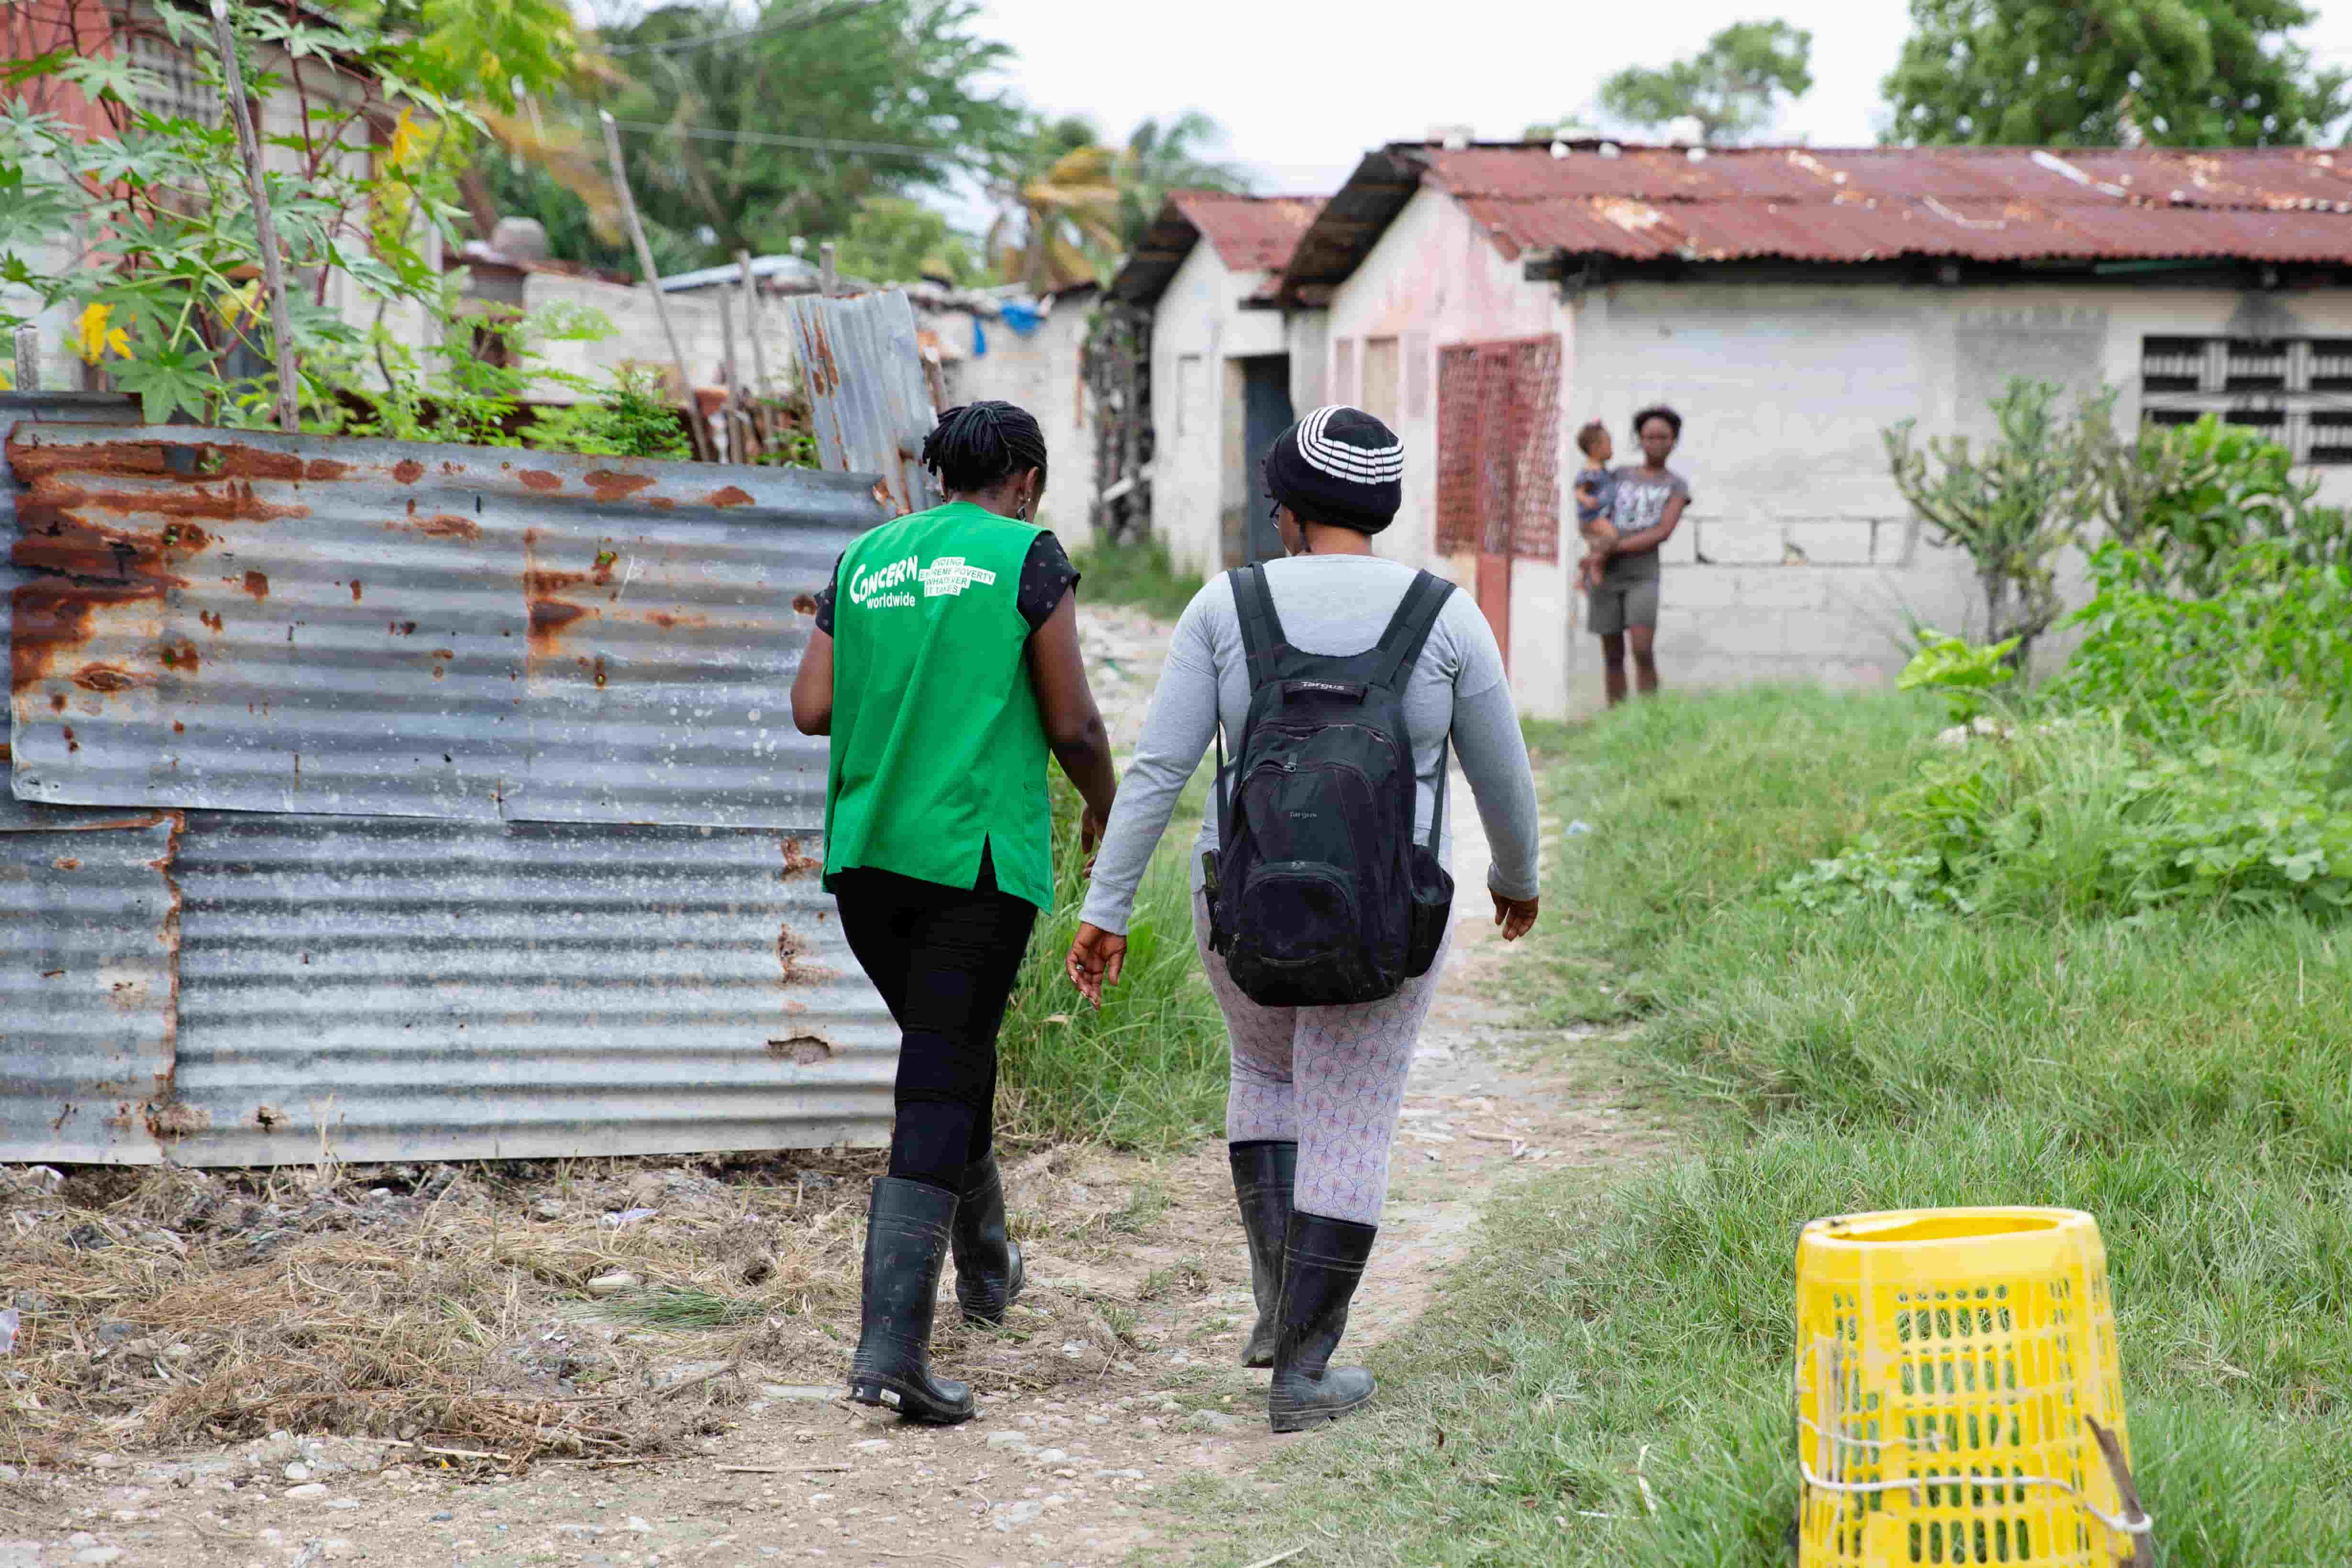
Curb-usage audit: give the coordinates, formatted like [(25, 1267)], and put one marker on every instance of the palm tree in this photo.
[(1061, 193), (1170, 155)]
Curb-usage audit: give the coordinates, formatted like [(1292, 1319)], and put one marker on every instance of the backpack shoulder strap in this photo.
[(1408, 630), (1262, 633)]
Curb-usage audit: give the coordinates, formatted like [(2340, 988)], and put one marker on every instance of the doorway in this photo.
[(1265, 415)]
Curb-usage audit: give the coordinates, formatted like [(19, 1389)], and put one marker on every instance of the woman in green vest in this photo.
[(945, 666)]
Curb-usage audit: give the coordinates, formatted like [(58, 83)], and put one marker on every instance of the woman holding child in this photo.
[(1625, 514)]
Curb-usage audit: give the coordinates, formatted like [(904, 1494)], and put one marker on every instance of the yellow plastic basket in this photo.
[(1947, 1360)]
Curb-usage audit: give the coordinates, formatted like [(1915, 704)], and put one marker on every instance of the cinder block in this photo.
[(1701, 588), (1892, 539), (1826, 544), (1741, 545), (1856, 499), (1839, 633), (1687, 668), (1680, 548), (1743, 634), (1786, 588), (1687, 627)]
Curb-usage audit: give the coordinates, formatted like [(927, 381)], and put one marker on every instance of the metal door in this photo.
[(1265, 414)]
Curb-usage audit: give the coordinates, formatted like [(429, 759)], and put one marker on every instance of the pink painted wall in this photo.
[(1435, 279)]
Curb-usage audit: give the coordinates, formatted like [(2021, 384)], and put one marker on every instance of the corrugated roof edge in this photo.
[(1353, 220), (1151, 265)]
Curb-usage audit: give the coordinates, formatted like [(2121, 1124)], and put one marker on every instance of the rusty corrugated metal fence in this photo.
[(870, 400), (436, 801)]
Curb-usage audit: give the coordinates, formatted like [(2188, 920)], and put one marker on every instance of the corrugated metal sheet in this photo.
[(870, 400), (2285, 205), (87, 975), (520, 859), (93, 407), (445, 990), (269, 623), (2259, 178)]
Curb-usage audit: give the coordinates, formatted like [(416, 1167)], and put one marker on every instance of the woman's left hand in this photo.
[(1096, 958), (1516, 916)]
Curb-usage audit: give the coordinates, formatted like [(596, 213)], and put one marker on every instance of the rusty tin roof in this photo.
[(1249, 234), (1848, 206)]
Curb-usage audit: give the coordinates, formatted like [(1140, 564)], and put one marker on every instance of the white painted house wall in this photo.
[(637, 335), (1198, 330), (1812, 561), (1045, 374)]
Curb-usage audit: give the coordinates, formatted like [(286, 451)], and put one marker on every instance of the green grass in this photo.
[(1147, 1071), (683, 1309), (1140, 574), (2183, 1079)]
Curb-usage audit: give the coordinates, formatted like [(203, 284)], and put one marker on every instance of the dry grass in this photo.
[(448, 1307), (173, 1306)]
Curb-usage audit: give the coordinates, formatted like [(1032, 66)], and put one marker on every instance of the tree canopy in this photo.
[(2185, 73), (1731, 87), (1171, 154), (804, 120), (786, 121)]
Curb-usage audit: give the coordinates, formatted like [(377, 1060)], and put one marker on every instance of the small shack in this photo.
[(1231, 365)]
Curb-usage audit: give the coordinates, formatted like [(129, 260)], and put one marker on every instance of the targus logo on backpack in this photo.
[(950, 575)]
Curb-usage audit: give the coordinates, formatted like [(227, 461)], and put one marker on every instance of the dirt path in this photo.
[(1115, 1378)]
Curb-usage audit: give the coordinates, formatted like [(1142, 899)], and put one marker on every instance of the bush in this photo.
[(2078, 818), (2274, 628), (2187, 499), (628, 419)]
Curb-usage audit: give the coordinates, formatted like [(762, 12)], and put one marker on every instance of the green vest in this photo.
[(938, 746)]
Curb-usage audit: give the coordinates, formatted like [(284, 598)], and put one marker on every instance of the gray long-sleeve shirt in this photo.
[(1336, 605)]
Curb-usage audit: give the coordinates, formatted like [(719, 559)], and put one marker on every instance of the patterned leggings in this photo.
[(1331, 1078)]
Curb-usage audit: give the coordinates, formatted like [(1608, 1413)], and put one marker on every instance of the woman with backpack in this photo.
[(1322, 904), (945, 666)]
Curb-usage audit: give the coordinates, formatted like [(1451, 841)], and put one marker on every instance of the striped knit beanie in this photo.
[(1341, 466)]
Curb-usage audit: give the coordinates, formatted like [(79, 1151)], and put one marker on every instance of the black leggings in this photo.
[(945, 961)]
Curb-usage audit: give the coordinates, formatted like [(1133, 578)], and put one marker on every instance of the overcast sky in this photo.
[(1305, 89)]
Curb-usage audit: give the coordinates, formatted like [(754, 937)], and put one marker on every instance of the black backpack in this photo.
[(1319, 895)]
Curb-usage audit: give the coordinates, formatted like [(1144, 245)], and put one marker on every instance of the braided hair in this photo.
[(980, 445)]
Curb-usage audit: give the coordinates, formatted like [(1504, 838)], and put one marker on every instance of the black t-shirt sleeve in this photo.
[(1045, 575), (825, 597)]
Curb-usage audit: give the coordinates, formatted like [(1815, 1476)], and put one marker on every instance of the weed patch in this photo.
[(1146, 1072), (1138, 575)]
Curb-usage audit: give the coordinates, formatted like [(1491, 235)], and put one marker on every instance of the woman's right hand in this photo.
[(1097, 957)]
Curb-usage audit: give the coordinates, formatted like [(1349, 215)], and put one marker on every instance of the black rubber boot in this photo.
[(907, 1226), (988, 1263), (1264, 1174), (1321, 1266)]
